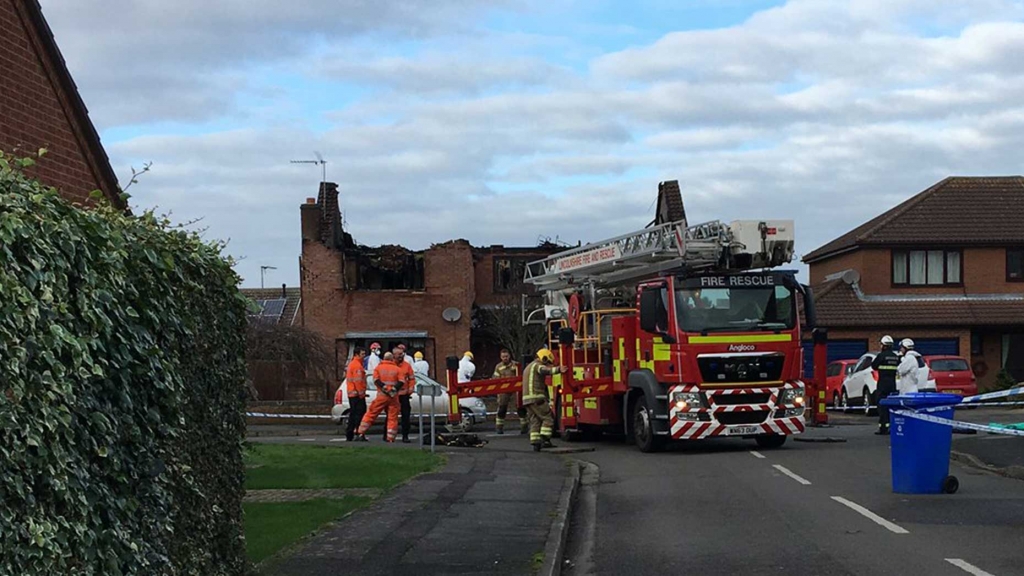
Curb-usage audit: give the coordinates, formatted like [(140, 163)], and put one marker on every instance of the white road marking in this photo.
[(967, 567), (792, 475), (338, 440), (307, 440), (757, 454), (871, 515)]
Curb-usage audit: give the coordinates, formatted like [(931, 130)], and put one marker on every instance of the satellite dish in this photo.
[(451, 315)]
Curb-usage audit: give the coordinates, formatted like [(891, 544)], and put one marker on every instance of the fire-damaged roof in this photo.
[(840, 303), (958, 210)]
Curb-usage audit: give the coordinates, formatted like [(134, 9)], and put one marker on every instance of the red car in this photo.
[(834, 375), (953, 375)]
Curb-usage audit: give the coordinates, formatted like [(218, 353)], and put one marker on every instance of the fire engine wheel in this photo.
[(770, 441), (643, 427)]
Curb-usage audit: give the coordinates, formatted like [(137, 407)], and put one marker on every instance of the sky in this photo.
[(512, 121)]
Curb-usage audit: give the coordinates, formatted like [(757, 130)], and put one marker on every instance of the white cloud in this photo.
[(823, 111)]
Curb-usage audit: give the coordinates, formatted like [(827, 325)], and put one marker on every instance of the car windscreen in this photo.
[(738, 309), (950, 365)]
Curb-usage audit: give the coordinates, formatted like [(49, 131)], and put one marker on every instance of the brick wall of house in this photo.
[(34, 113), (333, 312), (983, 271), (991, 345)]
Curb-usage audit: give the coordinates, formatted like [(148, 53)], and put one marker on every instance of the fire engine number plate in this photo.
[(742, 430)]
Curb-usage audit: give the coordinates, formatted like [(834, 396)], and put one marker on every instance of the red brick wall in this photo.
[(34, 113), (983, 271), (449, 282)]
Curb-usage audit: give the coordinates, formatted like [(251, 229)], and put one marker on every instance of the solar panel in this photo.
[(273, 308)]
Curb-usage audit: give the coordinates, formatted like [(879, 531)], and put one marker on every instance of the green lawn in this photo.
[(291, 466), (270, 527)]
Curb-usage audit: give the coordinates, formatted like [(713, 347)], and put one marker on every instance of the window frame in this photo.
[(945, 267), (1019, 250), (513, 262)]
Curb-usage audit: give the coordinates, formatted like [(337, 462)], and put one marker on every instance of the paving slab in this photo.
[(486, 512)]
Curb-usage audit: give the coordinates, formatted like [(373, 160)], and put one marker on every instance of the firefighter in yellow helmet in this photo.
[(535, 398)]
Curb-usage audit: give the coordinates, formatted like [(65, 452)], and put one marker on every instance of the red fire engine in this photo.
[(673, 332)]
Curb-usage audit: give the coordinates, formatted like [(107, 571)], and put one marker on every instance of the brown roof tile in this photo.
[(291, 307), (959, 210), (839, 306)]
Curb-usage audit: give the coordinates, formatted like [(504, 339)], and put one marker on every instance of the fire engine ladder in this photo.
[(635, 256)]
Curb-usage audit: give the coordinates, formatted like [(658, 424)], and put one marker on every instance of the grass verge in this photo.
[(271, 526), (280, 466)]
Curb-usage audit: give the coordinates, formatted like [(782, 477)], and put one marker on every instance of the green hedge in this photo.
[(122, 385)]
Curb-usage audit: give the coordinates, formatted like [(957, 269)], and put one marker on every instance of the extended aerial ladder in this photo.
[(575, 279)]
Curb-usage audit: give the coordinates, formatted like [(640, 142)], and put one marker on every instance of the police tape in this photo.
[(958, 424), (994, 395), (971, 405), (297, 416)]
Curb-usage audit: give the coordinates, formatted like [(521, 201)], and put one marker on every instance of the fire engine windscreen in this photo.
[(740, 309)]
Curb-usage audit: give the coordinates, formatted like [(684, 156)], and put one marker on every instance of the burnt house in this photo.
[(355, 295)]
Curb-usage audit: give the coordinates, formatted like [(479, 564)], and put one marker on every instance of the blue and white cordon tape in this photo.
[(976, 400), (265, 415)]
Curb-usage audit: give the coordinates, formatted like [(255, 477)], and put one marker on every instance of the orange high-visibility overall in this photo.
[(386, 377)]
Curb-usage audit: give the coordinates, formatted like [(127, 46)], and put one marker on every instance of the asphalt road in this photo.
[(820, 509)]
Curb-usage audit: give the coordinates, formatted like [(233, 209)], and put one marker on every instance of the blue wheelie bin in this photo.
[(920, 449)]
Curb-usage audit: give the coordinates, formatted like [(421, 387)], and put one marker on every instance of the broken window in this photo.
[(384, 268), (508, 274)]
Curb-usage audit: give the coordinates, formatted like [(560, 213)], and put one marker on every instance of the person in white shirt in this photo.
[(909, 369), (466, 367), (372, 360), (420, 366)]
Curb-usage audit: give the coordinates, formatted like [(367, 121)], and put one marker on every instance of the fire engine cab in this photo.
[(674, 332)]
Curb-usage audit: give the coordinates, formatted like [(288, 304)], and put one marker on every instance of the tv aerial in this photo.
[(319, 160)]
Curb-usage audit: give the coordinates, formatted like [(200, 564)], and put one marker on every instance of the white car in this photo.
[(861, 386), (474, 411)]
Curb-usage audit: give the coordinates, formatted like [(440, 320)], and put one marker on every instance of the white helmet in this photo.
[(907, 343), (886, 340)]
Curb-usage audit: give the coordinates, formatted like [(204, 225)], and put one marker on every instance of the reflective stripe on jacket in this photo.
[(387, 377), (406, 379), (535, 389), (355, 379), (506, 370)]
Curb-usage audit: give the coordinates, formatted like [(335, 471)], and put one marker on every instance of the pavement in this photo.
[(713, 507), (488, 511)]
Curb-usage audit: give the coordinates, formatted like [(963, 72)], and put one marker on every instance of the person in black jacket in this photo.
[(886, 363)]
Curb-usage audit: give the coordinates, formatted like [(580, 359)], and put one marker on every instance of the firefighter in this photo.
[(386, 377), (373, 359), (355, 382), (535, 398), (507, 368), (407, 385), (886, 363)]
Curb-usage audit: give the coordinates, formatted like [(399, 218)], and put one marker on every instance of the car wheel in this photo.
[(770, 442), (643, 427), (844, 401), (867, 399), (835, 400), (468, 419)]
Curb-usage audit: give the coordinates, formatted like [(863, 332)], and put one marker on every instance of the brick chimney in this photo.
[(310, 216), (330, 215)]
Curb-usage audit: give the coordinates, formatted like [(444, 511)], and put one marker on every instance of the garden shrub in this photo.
[(122, 385)]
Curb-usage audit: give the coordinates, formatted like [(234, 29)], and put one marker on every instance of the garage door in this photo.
[(937, 346), (837, 350)]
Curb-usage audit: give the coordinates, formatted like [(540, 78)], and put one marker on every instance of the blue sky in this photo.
[(503, 122)]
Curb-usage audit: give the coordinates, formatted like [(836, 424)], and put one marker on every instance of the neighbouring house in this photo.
[(945, 268), (355, 295), (40, 107)]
